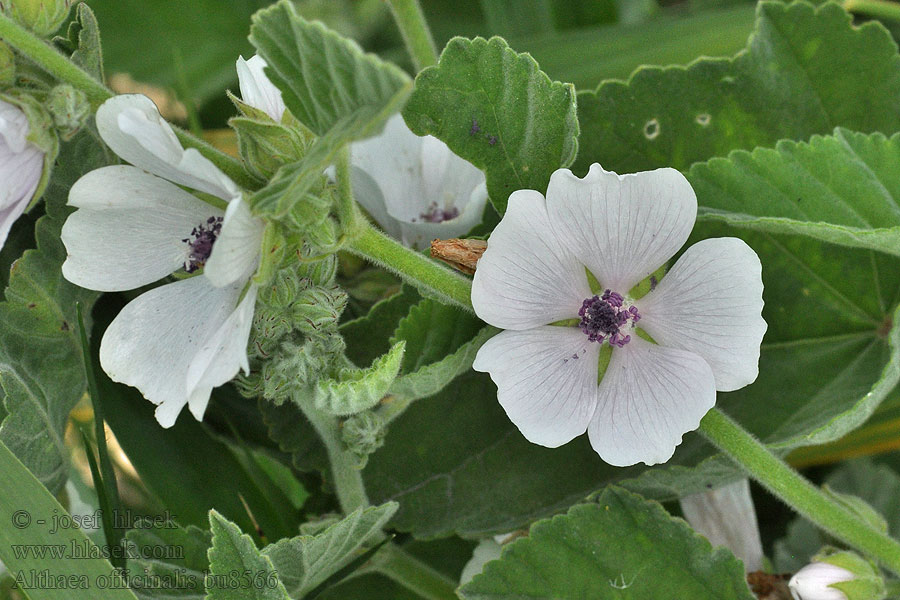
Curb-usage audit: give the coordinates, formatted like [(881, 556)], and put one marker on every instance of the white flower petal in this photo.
[(129, 228), (650, 396), (257, 90), (153, 341), (20, 174), (221, 356), (418, 234), (132, 126), (622, 227), (546, 380), (14, 127), (526, 277), (710, 303), (408, 176), (235, 254), (726, 517)]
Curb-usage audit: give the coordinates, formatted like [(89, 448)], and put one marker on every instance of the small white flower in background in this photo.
[(726, 517), (705, 314), (257, 90), (21, 167), (813, 582), (415, 187), (134, 226)]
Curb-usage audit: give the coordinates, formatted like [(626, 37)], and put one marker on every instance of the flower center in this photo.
[(436, 214), (201, 242), (603, 318)]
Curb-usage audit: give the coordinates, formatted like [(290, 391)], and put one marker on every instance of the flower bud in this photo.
[(43, 17), (363, 433), (838, 575), (69, 108)]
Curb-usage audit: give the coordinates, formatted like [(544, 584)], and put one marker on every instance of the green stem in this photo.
[(413, 574), (797, 492), (428, 275), (60, 67), (878, 9), (416, 34), (348, 482)]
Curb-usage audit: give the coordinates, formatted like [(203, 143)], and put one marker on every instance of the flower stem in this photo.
[(347, 478), (426, 274), (878, 9), (797, 492), (60, 67), (413, 574), (416, 34)]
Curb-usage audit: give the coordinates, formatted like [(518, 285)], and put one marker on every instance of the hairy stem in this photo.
[(430, 276), (413, 574), (797, 492), (416, 34), (347, 478), (60, 67)]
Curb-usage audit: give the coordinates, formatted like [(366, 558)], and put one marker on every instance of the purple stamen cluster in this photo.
[(602, 318), (201, 242), (437, 214)]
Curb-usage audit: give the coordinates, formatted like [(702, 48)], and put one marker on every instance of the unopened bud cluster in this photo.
[(43, 17)]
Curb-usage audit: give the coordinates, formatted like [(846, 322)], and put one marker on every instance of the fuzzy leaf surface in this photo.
[(498, 110), (621, 547), (796, 77)]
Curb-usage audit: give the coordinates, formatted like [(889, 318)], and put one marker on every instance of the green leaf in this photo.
[(237, 569), (621, 547), (29, 510), (305, 561), (456, 464), (498, 110), (177, 556), (355, 390), (41, 366), (795, 79), (441, 343), (843, 189), (196, 472), (294, 434), (82, 41), (588, 55), (368, 336), (324, 77), (509, 18), (340, 93), (169, 31)]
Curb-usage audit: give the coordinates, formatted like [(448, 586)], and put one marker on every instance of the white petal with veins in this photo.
[(546, 380), (621, 227)]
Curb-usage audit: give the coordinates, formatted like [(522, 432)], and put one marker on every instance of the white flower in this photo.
[(257, 90), (705, 315), (21, 165), (415, 187), (813, 582), (133, 227)]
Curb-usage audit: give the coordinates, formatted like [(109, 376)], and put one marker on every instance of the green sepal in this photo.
[(264, 145), (354, 390)]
